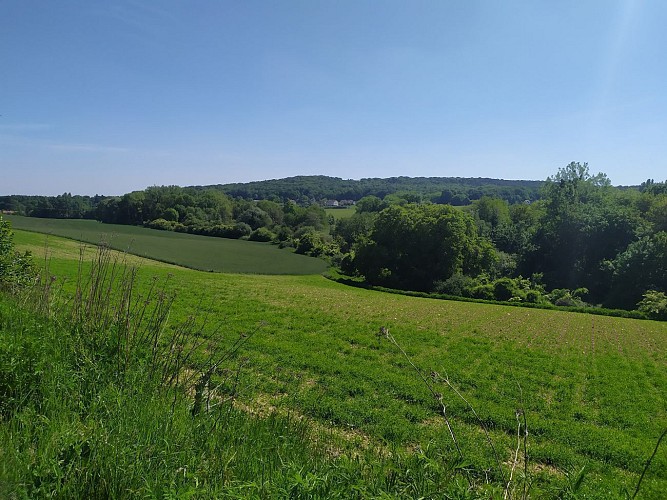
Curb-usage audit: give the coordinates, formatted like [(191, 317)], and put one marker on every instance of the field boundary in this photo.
[(599, 311)]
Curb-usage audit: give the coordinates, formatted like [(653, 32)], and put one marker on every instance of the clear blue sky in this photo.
[(112, 96)]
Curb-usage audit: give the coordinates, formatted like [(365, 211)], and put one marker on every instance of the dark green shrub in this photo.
[(504, 289), (310, 243), (170, 214), (564, 297), (161, 224), (261, 234), (458, 284), (534, 297), (255, 217), (484, 292), (654, 305), (16, 269)]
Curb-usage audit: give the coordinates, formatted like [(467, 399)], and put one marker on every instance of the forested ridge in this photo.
[(573, 239), (303, 190), (452, 190)]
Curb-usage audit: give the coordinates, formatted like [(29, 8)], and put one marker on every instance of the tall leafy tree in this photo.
[(582, 226), (641, 267), (413, 246)]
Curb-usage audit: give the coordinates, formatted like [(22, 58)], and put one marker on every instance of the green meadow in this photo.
[(592, 389), (341, 213), (197, 252)]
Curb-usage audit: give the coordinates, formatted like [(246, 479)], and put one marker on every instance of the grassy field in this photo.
[(193, 251), (341, 213), (593, 389)]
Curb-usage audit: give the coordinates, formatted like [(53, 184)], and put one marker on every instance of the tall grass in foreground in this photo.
[(101, 398)]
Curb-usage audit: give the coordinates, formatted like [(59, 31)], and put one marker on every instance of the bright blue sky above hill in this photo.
[(109, 97)]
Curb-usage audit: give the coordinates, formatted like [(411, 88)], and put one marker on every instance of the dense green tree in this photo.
[(16, 269), (582, 225), (413, 246), (348, 231), (641, 267), (131, 209), (297, 216), (171, 214), (657, 212), (255, 217), (275, 210), (371, 204)]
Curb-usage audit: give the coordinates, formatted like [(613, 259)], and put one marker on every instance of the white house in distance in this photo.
[(338, 204)]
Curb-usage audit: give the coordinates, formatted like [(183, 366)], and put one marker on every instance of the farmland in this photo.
[(593, 389), (193, 251)]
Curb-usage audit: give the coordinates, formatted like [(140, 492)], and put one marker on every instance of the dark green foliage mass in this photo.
[(574, 230), (584, 223), (640, 267), (414, 245), (583, 234), (445, 190), (16, 269)]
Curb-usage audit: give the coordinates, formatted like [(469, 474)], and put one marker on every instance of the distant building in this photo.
[(331, 203), (346, 203)]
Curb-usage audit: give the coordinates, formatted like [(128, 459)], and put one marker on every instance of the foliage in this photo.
[(565, 297), (582, 234), (16, 269), (413, 246), (458, 285), (503, 289), (255, 217), (371, 203), (582, 226), (641, 267), (307, 189), (654, 304), (577, 231), (262, 234), (348, 231)]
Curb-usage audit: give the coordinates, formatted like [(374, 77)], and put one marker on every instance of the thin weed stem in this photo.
[(516, 454), (648, 463), (480, 422), (437, 396)]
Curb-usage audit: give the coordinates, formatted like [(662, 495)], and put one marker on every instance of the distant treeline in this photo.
[(304, 191), (450, 190), (571, 240), (63, 206)]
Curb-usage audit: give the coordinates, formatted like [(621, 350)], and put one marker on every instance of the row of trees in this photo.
[(584, 239), (303, 190), (210, 212), (445, 190), (63, 206), (576, 239)]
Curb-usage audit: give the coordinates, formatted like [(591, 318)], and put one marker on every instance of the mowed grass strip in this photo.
[(188, 250), (594, 388)]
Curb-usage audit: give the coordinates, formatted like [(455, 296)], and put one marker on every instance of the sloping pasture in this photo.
[(194, 251), (593, 389)]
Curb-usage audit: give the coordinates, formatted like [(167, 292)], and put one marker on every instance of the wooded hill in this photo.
[(450, 190), (581, 240), (304, 190)]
